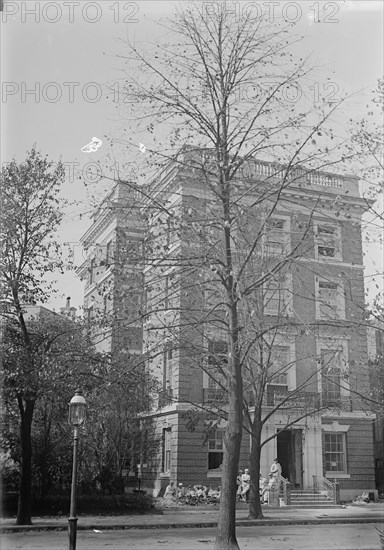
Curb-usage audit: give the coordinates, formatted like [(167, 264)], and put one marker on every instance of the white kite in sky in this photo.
[(92, 146)]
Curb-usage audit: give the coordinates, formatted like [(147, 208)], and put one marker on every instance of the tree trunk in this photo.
[(226, 527), (226, 535), (255, 509), (25, 486)]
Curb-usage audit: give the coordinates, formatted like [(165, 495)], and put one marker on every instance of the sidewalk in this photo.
[(207, 517)]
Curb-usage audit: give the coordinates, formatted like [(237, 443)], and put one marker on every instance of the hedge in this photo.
[(52, 505)]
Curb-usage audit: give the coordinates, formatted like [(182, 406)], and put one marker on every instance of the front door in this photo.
[(290, 455)]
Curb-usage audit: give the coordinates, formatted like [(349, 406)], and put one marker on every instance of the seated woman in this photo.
[(170, 491)]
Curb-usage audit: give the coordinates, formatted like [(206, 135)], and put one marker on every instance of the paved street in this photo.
[(289, 537), (207, 516)]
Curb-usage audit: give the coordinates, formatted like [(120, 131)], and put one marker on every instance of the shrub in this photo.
[(130, 503)]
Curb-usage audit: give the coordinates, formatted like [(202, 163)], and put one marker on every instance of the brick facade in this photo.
[(328, 263)]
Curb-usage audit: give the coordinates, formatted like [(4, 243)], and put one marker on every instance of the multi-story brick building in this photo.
[(112, 272), (310, 238)]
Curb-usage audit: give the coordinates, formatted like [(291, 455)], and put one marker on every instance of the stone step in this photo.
[(309, 497), (314, 505), (309, 493)]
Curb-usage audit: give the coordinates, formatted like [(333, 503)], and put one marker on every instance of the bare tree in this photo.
[(202, 96)]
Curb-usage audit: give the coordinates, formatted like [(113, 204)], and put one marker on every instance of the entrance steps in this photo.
[(310, 499)]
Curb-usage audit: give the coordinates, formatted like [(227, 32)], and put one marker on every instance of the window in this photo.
[(215, 372), (335, 452), (277, 297), (108, 253), (167, 367), (144, 446), (331, 377), (166, 395), (275, 242), (90, 315), (166, 292), (215, 449), (133, 304), (330, 300), (331, 386), (168, 232), (279, 360), (328, 242), (130, 251), (92, 271), (217, 354), (166, 456), (105, 304)]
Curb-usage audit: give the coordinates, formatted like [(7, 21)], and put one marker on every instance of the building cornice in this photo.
[(169, 409), (91, 235)]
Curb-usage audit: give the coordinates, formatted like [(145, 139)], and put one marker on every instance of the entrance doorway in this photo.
[(290, 455)]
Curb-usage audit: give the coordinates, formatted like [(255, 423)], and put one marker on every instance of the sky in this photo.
[(61, 74)]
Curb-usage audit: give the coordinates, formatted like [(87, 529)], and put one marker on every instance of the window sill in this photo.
[(329, 319), (337, 475), (165, 475), (328, 259), (212, 473)]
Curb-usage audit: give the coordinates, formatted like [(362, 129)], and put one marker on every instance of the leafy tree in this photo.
[(112, 430), (31, 214), (38, 383)]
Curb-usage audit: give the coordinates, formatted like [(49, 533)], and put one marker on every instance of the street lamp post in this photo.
[(76, 418)]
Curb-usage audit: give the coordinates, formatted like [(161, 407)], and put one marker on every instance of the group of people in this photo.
[(193, 494), (271, 485), (200, 493), (266, 486)]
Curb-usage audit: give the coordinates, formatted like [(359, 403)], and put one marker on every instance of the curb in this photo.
[(245, 523)]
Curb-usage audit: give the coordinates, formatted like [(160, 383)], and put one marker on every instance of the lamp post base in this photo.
[(72, 527)]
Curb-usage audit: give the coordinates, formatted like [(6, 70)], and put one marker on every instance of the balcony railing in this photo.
[(326, 180), (285, 399), (307, 400), (253, 168), (294, 400), (215, 395), (341, 402)]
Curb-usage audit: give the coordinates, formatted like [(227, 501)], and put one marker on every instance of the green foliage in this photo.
[(31, 213), (9, 471), (130, 503), (62, 359), (59, 356)]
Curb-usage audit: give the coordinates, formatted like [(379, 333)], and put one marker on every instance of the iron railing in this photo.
[(322, 486), (285, 491)]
